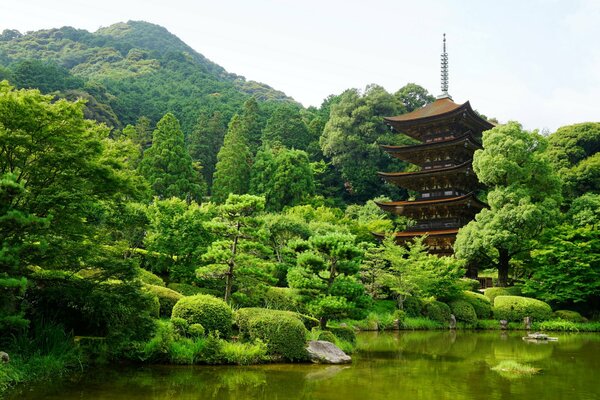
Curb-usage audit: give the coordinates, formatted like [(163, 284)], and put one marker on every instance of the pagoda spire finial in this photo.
[(444, 65)]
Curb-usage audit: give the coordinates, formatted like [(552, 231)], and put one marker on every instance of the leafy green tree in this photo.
[(583, 177), (232, 172), (325, 274), (413, 96), (412, 271), (238, 257), (167, 164), (282, 176), (287, 127), (352, 137), (524, 197), (206, 140), (177, 236), (566, 266), (573, 143), (60, 174)]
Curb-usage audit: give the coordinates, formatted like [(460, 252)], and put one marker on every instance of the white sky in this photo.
[(534, 61)]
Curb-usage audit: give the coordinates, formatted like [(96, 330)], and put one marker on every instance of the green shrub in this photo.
[(212, 313), (180, 325), (166, 298), (282, 331), (327, 336), (469, 284), (211, 350), (158, 348), (384, 306), (183, 351), (515, 308), (413, 306), (493, 292), (279, 298), (437, 311), (148, 277), (196, 330), (481, 304), (568, 315), (186, 289), (344, 333), (463, 311)]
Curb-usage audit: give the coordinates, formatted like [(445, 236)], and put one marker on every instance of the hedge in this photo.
[(493, 292), (212, 313), (463, 311), (166, 298), (413, 306), (344, 333), (568, 315), (279, 298), (515, 308), (282, 331), (437, 311), (481, 304), (186, 289)]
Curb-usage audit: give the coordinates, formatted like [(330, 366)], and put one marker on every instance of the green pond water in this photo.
[(400, 365)]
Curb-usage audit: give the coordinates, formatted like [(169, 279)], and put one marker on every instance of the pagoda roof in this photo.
[(443, 110), (411, 153), (417, 180), (400, 206)]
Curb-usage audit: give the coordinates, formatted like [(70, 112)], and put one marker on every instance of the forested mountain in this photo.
[(126, 71)]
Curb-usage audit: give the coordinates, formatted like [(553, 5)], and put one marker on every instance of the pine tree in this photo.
[(251, 124), (167, 164), (205, 141), (232, 173)]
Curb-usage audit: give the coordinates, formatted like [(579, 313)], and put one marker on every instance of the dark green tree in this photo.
[(206, 140), (167, 165), (232, 172), (287, 127), (251, 124), (352, 137), (413, 96)]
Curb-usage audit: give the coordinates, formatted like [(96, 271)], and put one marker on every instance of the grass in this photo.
[(560, 325), (420, 323), (511, 369), (244, 353)]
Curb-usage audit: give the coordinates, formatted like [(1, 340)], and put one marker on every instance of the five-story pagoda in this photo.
[(445, 185)]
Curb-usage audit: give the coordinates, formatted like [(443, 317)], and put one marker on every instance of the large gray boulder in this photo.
[(322, 352)]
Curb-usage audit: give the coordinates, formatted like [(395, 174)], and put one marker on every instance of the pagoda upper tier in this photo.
[(441, 120)]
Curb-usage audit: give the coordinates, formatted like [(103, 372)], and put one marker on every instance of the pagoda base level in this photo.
[(439, 243)]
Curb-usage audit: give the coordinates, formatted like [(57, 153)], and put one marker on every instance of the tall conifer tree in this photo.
[(251, 124), (232, 173), (205, 141), (167, 165)]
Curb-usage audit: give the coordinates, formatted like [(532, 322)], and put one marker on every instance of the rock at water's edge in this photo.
[(322, 352)]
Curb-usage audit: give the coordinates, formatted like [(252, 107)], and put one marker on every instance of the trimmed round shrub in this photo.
[(186, 289), (481, 304), (180, 325), (413, 306), (493, 292), (212, 313), (166, 297), (148, 277), (282, 331), (344, 333), (470, 284), (463, 311), (437, 311), (568, 315), (515, 308), (196, 330), (327, 336)]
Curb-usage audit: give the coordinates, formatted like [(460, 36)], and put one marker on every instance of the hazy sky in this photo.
[(534, 61)]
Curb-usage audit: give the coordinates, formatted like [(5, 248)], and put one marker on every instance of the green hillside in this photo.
[(126, 71)]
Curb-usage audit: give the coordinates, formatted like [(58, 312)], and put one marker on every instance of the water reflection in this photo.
[(405, 365)]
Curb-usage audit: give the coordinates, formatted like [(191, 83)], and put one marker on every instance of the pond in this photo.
[(398, 365)]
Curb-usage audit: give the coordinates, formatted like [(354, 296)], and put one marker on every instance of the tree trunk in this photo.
[(323, 323), (503, 260), (231, 263)]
